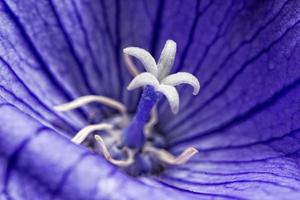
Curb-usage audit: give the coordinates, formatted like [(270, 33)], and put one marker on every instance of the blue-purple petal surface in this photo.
[(244, 122)]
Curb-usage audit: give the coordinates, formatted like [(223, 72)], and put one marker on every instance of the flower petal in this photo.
[(37, 162), (245, 122)]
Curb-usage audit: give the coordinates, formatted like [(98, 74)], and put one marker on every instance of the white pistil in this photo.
[(120, 163), (172, 96), (182, 78), (145, 57), (143, 79), (84, 133), (157, 75), (81, 101), (166, 60), (170, 159), (134, 72)]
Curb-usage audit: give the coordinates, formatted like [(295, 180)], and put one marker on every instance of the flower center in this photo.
[(143, 161), (131, 142)]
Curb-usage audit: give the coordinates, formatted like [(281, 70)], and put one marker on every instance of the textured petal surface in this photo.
[(36, 162), (244, 122)]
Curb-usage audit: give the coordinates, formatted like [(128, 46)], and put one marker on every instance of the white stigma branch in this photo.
[(157, 75)]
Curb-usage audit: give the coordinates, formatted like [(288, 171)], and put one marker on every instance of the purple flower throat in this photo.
[(131, 142)]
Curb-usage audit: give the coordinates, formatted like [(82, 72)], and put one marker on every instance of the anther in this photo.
[(170, 159), (86, 131), (81, 101), (107, 155)]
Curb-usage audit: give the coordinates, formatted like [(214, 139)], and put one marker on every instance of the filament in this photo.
[(168, 158), (85, 132), (107, 155), (153, 120), (81, 101)]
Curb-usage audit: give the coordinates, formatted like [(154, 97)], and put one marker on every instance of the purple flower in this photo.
[(244, 122)]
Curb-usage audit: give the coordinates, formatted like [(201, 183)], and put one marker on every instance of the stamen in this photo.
[(120, 163), (170, 159), (131, 66), (81, 101), (153, 120), (84, 133)]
